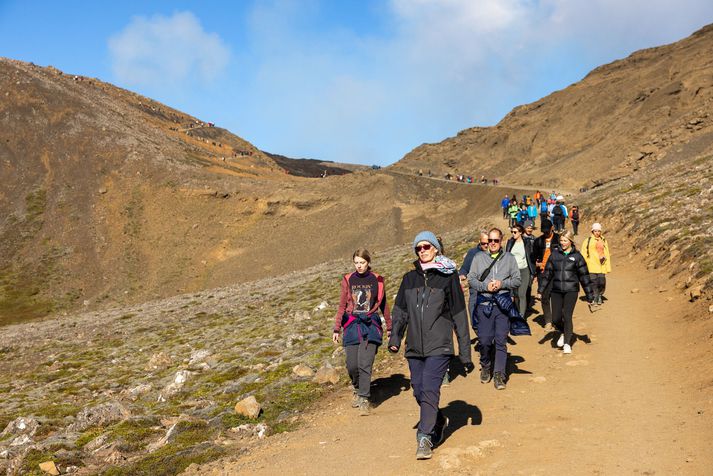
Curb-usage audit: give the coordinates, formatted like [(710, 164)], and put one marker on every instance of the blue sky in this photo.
[(350, 81)]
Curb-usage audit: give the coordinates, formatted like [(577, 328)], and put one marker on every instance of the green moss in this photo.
[(135, 434), (57, 410), (88, 436)]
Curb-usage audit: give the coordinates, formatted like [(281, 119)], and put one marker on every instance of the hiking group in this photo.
[(430, 305)]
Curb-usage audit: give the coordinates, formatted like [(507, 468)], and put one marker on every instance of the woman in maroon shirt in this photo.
[(362, 295)]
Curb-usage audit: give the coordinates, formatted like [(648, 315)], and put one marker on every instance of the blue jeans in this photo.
[(426, 378), (493, 329)]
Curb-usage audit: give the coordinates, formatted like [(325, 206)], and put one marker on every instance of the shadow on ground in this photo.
[(388, 387)]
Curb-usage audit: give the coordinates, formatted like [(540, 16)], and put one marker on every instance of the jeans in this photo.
[(493, 329), (360, 360), (426, 379)]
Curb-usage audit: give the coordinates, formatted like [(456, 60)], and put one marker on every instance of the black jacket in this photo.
[(538, 248), (566, 272), (529, 246), (431, 305)]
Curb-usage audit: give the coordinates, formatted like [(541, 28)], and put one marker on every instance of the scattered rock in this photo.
[(577, 363), (695, 293), (159, 361), (177, 385), (710, 308), (100, 415), (302, 371), (249, 430), (326, 374), (248, 407), (339, 351), (198, 356), (635, 291), (103, 190), (292, 338), (539, 379), (21, 426), (321, 306), (489, 444), (302, 316), (135, 393), (49, 467)]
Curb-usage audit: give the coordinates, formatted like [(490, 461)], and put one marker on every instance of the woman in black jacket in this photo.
[(566, 270), (429, 306)]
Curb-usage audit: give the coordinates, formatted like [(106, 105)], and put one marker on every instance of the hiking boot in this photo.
[(499, 380), (484, 375), (355, 400), (446, 380), (600, 299), (560, 341), (439, 431), (567, 349), (364, 406), (425, 448)]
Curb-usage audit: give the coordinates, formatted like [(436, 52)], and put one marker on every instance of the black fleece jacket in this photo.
[(431, 306), (566, 272)]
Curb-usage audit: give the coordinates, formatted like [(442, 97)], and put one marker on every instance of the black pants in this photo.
[(558, 222), (426, 379), (599, 281), (575, 226), (360, 360), (546, 305), (562, 310)]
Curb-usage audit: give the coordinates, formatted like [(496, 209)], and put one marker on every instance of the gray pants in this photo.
[(599, 280), (360, 360), (522, 291)]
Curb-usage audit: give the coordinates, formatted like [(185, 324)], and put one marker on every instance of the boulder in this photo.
[(134, 393), (198, 356), (302, 371), (159, 361), (248, 407), (326, 374), (49, 467)]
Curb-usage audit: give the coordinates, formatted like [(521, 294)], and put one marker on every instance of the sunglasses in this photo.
[(425, 247), (493, 240), (483, 243), (514, 231)]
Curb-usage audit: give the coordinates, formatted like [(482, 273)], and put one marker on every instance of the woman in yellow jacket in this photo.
[(595, 250)]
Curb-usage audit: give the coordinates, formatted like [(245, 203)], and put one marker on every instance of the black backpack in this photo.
[(557, 211)]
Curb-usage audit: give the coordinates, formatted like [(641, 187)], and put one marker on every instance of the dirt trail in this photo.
[(627, 402)]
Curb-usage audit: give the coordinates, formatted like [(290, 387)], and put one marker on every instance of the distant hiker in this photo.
[(574, 218), (544, 212), (538, 198), (564, 272), (558, 216), (429, 307), (521, 249), (362, 295), (495, 276), (505, 204), (463, 273), (513, 210), (541, 251), (596, 252), (522, 215), (531, 212)]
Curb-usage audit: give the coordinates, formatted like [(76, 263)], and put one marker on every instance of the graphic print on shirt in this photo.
[(361, 297)]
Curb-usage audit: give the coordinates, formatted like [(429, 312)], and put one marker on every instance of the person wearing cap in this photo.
[(495, 276), (596, 253), (429, 306), (541, 250)]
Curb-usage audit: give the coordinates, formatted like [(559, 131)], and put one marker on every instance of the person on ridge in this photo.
[(495, 276), (541, 250), (429, 306), (362, 295), (596, 253), (564, 272)]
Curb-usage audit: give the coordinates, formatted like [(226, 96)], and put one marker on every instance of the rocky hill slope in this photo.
[(622, 117), (108, 198)]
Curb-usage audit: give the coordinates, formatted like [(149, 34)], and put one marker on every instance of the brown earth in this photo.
[(623, 116), (634, 397)]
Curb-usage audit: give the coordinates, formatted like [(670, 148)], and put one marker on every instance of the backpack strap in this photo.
[(487, 270), (589, 239)]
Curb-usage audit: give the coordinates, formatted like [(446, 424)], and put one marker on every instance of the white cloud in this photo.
[(160, 51)]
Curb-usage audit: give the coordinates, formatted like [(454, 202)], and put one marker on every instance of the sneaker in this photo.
[(499, 380), (364, 406), (355, 400), (425, 448), (567, 349), (560, 341), (484, 375), (439, 431)]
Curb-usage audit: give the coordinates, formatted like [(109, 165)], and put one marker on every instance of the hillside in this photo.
[(111, 198), (622, 117)]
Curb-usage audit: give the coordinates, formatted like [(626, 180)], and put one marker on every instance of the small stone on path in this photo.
[(49, 467), (577, 363)]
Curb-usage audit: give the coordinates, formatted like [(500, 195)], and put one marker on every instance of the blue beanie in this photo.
[(427, 236)]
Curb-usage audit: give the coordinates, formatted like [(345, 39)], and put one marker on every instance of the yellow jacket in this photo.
[(589, 251)]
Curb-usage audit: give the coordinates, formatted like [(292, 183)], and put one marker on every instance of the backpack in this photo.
[(543, 207), (557, 211)]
